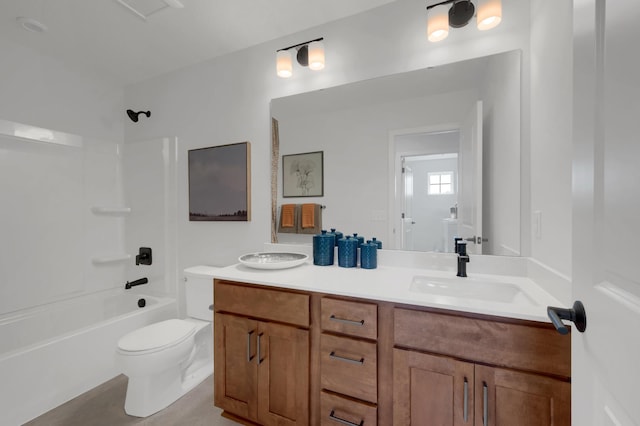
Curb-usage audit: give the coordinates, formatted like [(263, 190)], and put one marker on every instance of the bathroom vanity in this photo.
[(392, 346)]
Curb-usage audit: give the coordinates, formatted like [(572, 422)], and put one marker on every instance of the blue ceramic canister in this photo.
[(360, 239), (338, 235), (323, 248), (347, 252), (377, 242), (369, 255), (335, 240)]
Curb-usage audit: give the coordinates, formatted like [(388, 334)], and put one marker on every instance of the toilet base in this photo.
[(147, 395)]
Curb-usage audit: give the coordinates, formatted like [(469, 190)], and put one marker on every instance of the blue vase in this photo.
[(360, 239), (369, 255), (377, 242), (338, 234), (347, 252), (323, 248)]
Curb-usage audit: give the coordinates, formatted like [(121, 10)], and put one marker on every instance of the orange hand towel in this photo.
[(287, 215), (308, 215)]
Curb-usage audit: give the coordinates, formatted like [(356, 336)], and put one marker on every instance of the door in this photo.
[(606, 212), (508, 397), (407, 206), (283, 375), (470, 180), (235, 367), (431, 390)]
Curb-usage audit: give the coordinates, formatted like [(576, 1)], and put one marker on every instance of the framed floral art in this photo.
[(302, 175)]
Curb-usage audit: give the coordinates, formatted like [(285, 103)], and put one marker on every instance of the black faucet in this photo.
[(128, 285), (463, 257)]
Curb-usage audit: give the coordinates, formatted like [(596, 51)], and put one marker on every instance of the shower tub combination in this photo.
[(53, 353)]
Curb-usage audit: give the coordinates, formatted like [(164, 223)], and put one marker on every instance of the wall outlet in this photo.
[(537, 224)]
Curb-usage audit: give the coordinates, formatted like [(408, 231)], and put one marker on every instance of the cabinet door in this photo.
[(431, 390), (236, 365), (283, 375), (505, 397)]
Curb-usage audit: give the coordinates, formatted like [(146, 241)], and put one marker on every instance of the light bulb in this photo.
[(316, 55), (438, 23), (284, 64), (489, 14)]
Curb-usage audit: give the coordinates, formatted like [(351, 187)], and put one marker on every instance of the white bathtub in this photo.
[(53, 353)]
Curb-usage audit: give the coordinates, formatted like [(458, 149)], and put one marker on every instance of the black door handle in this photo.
[(577, 315)]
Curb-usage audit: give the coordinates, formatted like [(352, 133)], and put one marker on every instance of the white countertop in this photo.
[(393, 284)]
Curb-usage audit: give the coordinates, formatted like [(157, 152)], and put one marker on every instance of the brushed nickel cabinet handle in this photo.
[(341, 358), (249, 356), (259, 361), (346, 321), (333, 417), (485, 404), (465, 408)]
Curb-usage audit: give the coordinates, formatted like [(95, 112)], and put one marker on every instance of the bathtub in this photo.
[(53, 353)]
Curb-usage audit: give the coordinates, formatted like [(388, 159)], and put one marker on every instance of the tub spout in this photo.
[(128, 285)]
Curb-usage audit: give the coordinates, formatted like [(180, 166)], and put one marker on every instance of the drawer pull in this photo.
[(260, 359), (485, 404), (347, 321), (341, 358), (333, 417), (249, 356), (465, 408)]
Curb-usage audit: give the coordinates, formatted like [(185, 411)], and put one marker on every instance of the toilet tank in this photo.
[(198, 283)]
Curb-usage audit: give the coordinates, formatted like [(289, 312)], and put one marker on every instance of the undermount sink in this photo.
[(470, 288)]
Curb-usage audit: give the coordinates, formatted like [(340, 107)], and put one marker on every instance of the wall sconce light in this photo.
[(309, 54), (440, 16)]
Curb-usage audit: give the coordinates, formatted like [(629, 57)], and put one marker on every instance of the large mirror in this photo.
[(416, 158)]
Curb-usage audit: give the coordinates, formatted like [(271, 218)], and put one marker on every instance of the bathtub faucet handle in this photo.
[(144, 256), (128, 285)]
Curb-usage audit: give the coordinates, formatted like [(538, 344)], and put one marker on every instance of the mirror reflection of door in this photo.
[(470, 211), (407, 209), (427, 199)]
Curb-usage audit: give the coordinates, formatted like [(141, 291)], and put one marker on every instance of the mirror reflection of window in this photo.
[(440, 183)]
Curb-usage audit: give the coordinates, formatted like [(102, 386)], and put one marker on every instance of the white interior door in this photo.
[(407, 207), (470, 180), (606, 217)]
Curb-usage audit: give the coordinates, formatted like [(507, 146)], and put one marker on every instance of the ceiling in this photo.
[(106, 37)]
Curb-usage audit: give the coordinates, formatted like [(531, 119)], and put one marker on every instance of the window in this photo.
[(440, 183)]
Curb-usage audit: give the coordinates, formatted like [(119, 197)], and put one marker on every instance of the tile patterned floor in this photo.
[(104, 406)]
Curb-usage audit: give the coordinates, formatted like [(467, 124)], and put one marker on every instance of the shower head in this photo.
[(134, 115)]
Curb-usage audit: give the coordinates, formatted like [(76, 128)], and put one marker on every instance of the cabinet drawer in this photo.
[(349, 366), (525, 346), (353, 318), (336, 410), (259, 302)]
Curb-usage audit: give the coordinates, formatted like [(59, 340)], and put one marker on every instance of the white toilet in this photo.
[(167, 359)]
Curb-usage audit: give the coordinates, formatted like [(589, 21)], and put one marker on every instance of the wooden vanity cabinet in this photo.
[(286, 357), (262, 354), (457, 370), (348, 362)]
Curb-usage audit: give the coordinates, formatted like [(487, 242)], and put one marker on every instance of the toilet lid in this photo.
[(156, 335)]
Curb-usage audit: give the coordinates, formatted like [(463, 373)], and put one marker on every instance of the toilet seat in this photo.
[(156, 337)]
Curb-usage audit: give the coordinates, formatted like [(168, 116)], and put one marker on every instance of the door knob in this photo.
[(577, 315), (477, 240)]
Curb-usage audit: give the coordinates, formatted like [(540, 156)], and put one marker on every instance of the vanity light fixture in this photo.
[(441, 16), (309, 54)]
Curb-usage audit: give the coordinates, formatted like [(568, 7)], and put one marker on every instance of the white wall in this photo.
[(226, 100), (49, 234)]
